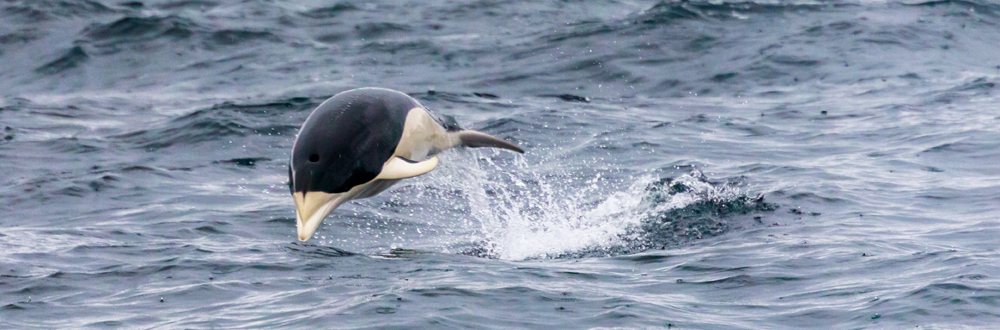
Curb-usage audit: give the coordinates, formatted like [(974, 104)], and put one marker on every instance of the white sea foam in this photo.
[(524, 212)]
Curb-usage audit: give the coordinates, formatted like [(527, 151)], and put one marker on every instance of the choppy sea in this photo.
[(689, 165)]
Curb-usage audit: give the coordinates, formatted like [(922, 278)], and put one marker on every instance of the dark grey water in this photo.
[(690, 165)]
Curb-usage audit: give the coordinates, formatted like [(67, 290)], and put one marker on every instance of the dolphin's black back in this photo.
[(353, 134)]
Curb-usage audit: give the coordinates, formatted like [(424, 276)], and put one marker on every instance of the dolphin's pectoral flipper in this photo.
[(473, 139), (402, 168)]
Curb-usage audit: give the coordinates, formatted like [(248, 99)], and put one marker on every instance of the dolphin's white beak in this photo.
[(311, 208)]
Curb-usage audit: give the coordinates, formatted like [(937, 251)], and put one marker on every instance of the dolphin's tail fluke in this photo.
[(473, 139)]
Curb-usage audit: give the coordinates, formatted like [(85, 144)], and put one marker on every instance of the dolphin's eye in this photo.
[(314, 158)]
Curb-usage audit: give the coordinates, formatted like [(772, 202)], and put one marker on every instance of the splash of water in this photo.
[(525, 212)]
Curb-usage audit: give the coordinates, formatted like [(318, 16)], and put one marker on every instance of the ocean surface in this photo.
[(689, 165)]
